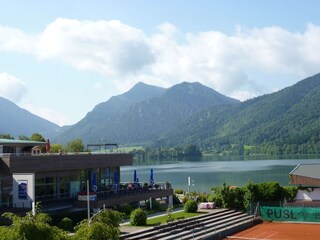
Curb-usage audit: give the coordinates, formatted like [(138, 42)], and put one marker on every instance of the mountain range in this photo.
[(287, 121), (189, 113), (18, 121), (144, 113)]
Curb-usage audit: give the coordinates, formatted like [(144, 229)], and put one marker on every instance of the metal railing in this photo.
[(56, 154)]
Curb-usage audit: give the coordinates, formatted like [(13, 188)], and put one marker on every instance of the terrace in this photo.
[(125, 194)]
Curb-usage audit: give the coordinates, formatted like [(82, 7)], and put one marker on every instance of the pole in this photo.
[(88, 201), (33, 208), (189, 182)]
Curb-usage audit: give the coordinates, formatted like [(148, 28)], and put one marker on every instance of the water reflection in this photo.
[(207, 172)]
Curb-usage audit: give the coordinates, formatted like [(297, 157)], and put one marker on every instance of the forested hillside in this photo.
[(140, 121), (88, 128), (287, 121)]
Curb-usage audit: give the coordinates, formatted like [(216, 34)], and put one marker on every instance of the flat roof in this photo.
[(307, 170), (66, 162), (4, 141)]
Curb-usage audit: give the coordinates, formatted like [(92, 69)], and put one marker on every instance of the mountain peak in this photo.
[(142, 91), (198, 89)]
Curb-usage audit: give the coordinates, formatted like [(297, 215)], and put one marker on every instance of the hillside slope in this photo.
[(88, 128), (17, 121), (140, 122), (290, 116)]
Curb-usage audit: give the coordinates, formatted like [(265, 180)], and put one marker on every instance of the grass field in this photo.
[(164, 218)]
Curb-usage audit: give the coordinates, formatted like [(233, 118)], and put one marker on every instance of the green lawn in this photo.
[(163, 219)]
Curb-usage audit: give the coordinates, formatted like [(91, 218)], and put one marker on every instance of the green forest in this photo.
[(285, 122)]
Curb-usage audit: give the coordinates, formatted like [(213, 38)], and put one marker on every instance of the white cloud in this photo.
[(127, 55), (11, 87), (226, 62), (12, 39), (109, 47)]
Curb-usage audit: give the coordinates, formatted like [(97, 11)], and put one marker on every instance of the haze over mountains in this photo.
[(17, 121), (188, 113)]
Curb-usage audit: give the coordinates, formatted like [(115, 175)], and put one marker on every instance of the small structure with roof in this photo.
[(307, 177)]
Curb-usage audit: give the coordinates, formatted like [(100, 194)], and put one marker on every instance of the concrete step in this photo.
[(152, 232), (189, 231)]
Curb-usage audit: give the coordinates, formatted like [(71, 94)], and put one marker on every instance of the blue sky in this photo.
[(58, 59)]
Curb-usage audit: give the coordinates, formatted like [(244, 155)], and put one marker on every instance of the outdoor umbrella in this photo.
[(135, 176), (115, 180), (94, 182), (151, 177)]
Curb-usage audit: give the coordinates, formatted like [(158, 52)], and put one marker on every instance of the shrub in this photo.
[(290, 192), (178, 191), (126, 209), (76, 217), (185, 199), (138, 217), (191, 206), (66, 224)]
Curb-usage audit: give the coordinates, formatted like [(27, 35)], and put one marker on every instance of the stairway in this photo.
[(207, 226)]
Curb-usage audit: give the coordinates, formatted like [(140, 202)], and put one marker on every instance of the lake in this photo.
[(208, 172)]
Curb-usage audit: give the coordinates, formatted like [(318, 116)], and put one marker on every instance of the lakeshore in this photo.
[(208, 172)]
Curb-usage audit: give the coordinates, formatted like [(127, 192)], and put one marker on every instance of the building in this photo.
[(307, 178), (29, 174)]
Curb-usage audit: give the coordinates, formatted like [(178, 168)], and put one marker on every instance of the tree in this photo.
[(75, 146), (192, 151), (229, 197), (6, 136), (23, 137), (103, 226), (37, 137), (31, 227), (55, 148), (169, 212)]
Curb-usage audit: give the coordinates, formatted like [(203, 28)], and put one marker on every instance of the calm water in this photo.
[(207, 172)]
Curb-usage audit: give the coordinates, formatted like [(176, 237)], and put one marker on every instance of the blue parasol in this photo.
[(135, 176), (151, 177), (135, 179), (94, 182), (115, 180)]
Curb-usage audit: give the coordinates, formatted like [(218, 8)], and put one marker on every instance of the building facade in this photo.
[(28, 175)]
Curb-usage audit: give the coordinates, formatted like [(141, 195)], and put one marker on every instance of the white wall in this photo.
[(308, 195), (19, 198)]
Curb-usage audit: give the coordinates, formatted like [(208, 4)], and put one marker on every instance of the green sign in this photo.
[(290, 214)]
